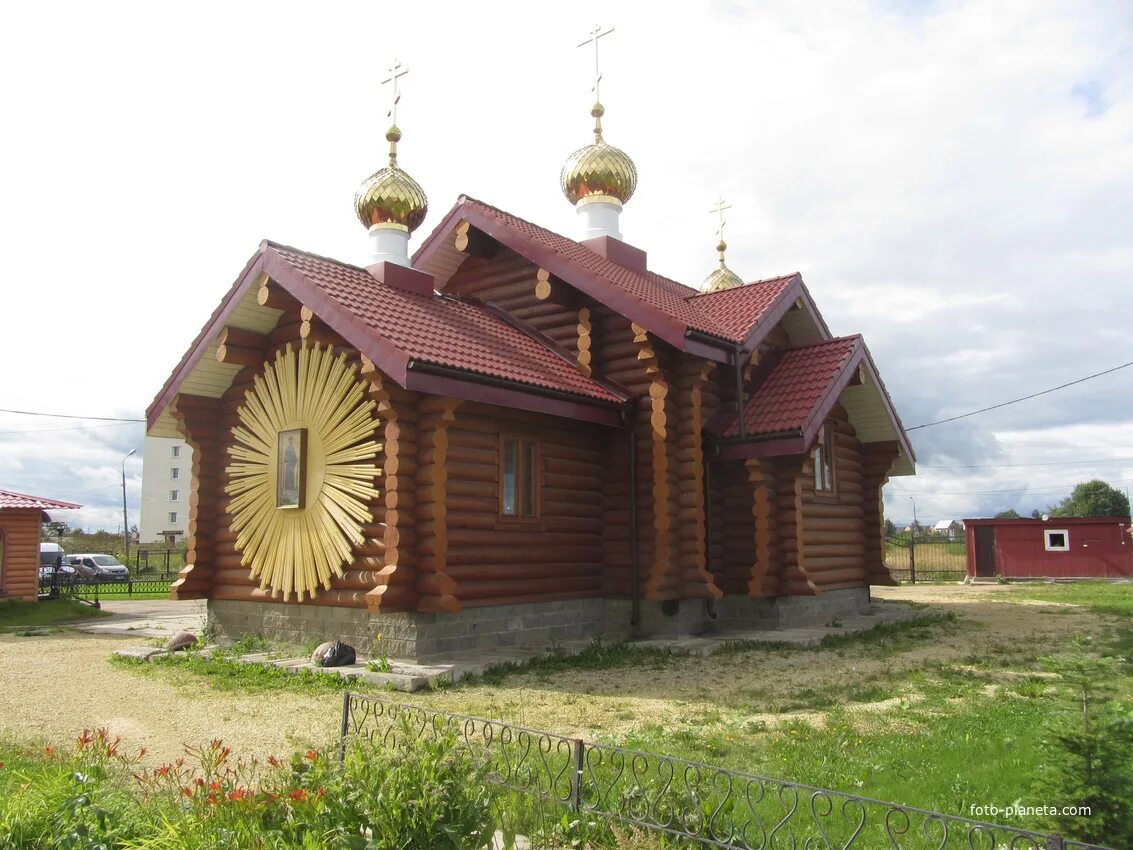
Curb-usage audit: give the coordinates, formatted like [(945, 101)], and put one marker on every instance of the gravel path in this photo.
[(55, 686)]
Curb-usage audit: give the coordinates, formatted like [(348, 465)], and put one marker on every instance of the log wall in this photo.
[(19, 558), (833, 534), (498, 560), (511, 282)]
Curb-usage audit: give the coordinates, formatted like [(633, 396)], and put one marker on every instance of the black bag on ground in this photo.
[(339, 655)]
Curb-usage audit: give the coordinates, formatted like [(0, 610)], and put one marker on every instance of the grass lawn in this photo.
[(1101, 596), (15, 614), (942, 715)]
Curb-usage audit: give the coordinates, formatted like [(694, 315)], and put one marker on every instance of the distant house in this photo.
[(1064, 547), (20, 518), (951, 528)]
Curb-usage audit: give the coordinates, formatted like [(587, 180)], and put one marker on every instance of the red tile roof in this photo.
[(796, 387), (736, 311), (660, 292), (729, 315), (443, 330), (20, 501)]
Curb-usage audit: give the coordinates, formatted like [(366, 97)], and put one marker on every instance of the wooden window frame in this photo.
[(1048, 544), (825, 474), (531, 474)]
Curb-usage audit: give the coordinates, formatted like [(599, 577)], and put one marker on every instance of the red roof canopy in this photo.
[(21, 501), (800, 386)]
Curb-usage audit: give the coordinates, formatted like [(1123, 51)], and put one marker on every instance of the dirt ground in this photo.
[(56, 685)]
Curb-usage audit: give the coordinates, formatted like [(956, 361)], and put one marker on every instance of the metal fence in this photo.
[(555, 788), (92, 590), (926, 557)]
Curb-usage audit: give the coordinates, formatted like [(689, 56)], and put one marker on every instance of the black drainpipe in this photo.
[(740, 392), (635, 617), (709, 604)]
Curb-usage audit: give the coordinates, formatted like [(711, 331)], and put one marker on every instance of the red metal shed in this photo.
[(1060, 547)]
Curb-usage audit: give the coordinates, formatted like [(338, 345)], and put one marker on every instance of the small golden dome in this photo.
[(390, 196), (723, 277), (598, 168)]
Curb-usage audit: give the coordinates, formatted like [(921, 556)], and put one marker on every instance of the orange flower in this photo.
[(312, 755), (274, 762), (186, 791), (49, 752), (85, 738), (299, 795)]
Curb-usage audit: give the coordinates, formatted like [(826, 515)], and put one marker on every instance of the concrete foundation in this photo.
[(420, 637)]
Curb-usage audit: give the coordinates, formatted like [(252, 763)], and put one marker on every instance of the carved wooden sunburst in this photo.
[(295, 549)]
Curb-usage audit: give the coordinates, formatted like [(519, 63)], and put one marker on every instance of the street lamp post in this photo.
[(125, 521), (913, 545)]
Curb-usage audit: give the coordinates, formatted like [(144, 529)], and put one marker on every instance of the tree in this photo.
[(890, 528), (1093, 498), (1011, 513)]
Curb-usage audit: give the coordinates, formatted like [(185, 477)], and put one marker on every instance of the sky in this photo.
[(954, 180)]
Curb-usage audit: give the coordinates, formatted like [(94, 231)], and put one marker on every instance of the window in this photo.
[(519, 461), (173, 517), (175, 451), (175, 473), (824, 462), (1056, 540), (174, 495)]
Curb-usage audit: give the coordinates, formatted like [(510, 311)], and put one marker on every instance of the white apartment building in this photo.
[(166, 476)]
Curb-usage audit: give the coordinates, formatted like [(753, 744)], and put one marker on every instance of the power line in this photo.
[(1017, 400), (1028, 465), (70, 416), (1043, 491), (75, 428)]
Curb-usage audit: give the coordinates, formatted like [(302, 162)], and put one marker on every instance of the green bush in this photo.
[(428, 794)]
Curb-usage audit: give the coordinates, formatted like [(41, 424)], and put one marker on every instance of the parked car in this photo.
[(51, 557), (100, 567), (67, 575)]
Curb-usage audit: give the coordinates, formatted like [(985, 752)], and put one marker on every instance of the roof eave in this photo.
[(473, 386)]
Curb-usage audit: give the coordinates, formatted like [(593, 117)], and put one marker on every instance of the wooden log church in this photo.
[(515, 438)]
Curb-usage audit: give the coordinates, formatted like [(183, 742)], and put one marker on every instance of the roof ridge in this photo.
[(747, 285), (279, 246), (827, 342)]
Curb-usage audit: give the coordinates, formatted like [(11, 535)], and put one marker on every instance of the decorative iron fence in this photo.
[(92, 590), (557, 788), (926, 557)]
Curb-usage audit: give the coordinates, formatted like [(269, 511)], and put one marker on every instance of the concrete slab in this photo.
[(148, 618), (408, 677)]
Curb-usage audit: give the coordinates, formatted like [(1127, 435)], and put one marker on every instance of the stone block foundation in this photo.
[(421, 637)]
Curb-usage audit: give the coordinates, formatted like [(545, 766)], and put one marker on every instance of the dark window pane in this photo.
[(508, 496), (529, 479)]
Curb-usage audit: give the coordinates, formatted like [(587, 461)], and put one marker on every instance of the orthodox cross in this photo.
[(596, 34), (719, 208), (394, 73)]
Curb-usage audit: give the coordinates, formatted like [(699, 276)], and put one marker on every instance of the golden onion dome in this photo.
[(722, 277), (390, 196), (598, 168)]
